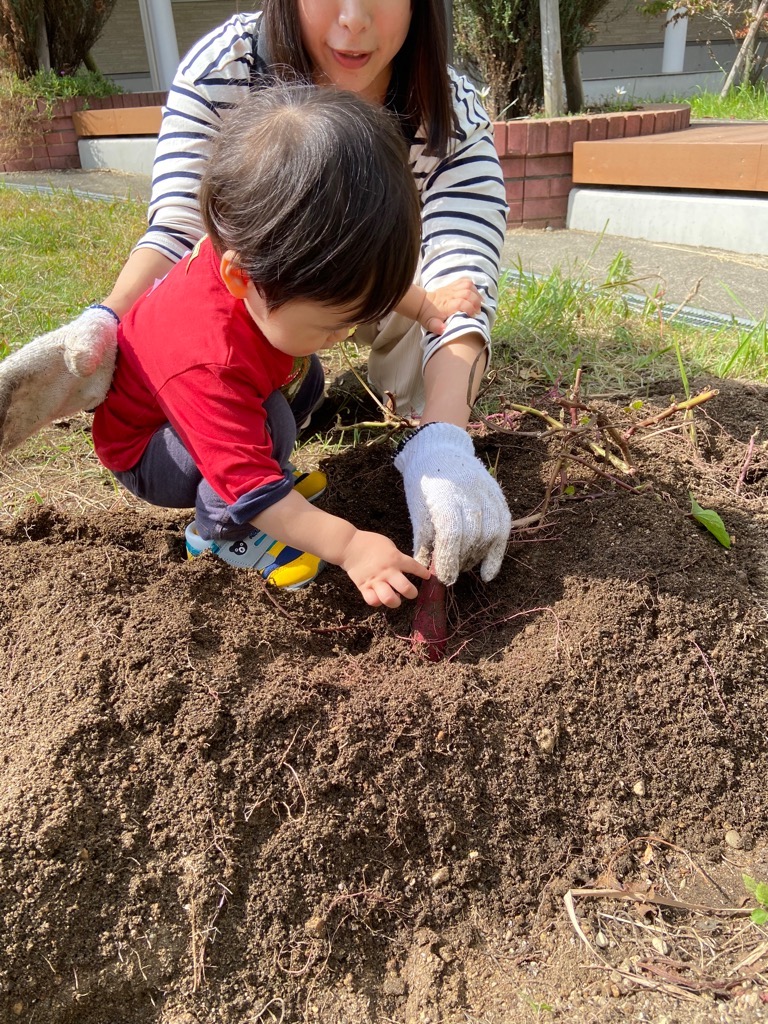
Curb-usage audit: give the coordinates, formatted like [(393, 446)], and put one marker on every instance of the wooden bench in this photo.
[(118, 122), (729, 157)]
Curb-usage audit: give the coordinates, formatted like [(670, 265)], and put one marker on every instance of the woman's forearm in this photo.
[(141, 270), (452, 379)]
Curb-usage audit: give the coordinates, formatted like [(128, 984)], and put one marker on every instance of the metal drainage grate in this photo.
[(48, 190), (638, 303)]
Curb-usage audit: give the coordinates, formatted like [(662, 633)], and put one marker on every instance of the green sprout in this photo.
[(759, 890), (711, 520)]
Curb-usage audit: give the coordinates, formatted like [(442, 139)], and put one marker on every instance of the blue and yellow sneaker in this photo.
[(309, 485), (282, 566)]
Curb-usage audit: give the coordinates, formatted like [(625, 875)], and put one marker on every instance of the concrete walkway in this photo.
[(96, 184), (729, 284)]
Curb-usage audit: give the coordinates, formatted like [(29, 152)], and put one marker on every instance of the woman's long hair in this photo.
[(420, 89)]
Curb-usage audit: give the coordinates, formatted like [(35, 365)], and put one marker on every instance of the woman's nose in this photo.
[(354, 15)]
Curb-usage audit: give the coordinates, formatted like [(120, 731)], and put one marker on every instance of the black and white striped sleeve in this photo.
[(464, 212), (210, 80)]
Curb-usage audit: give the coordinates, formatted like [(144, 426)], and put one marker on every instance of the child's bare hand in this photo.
[(377, 568), (459, 296)]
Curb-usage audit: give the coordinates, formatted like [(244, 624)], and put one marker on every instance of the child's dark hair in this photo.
[(311, 189), (420, 75)]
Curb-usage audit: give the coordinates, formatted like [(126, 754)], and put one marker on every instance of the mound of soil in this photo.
[(226, 804)]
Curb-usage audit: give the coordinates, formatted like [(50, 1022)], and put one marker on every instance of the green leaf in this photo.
[(637, 404), (750, 884), (761, 894), (759, 916), (711, 520)]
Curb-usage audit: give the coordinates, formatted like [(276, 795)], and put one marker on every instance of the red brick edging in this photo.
[(537, 155), (55, 148)]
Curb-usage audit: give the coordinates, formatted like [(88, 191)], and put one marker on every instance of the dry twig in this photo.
[(747, 460)]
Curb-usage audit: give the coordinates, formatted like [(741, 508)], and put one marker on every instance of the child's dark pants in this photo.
[(166, 475)]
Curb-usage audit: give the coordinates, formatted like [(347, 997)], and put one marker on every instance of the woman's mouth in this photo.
[(350, 60)]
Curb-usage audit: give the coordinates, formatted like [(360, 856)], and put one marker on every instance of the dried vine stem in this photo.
[(607, 455), (556, 428), (747, 461), (671, 410)]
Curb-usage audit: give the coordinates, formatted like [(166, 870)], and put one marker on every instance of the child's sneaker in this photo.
[(309, 485), (282, 566)]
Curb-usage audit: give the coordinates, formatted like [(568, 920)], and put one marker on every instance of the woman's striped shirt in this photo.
[(462, 194)]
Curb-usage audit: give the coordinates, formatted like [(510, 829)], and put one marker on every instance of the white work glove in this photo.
[(458, 512), (57, 375)]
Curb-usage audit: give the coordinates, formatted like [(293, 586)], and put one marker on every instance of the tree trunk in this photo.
[(90, 63), (552, 58), (574, 86), (43, 51), (745, 48)]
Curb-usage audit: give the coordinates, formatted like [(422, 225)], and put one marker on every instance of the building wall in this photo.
[(121, 50), (621, 23)]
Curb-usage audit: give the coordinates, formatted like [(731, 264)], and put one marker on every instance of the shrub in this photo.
[(20, 116), (71, 27), (50, 86), (19, 20), (499, 42), (20, 119)]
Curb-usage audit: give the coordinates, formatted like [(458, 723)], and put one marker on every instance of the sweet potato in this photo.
[(430, 624)]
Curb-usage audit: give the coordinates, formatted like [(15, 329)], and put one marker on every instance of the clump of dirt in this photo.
[(224, 803)]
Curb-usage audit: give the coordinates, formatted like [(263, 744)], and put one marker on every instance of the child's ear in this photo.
[(233, 276)]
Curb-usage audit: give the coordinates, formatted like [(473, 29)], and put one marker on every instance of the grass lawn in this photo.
[(59, 253), (548, 328), (744, 102)]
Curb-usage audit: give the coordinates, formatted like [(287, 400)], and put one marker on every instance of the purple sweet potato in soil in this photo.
[(430, 625)]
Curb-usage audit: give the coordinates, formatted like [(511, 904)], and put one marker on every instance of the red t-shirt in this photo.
[(190, 354)]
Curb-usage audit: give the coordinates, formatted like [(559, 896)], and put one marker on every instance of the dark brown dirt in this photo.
[(226, 804)]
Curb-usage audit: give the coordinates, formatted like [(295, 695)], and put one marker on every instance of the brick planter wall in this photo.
[(537, 155), (56, 146)]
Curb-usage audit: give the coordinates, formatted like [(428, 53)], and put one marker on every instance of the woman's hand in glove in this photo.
[(57, 375), (458, 511)]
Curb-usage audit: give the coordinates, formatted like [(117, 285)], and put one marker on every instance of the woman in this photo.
[(391, 52)]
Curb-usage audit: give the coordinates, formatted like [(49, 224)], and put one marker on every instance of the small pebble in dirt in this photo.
[(601, 940), (545, 739), (394, 987), (379, 801), (639, 788), (315, 927), (734, 840), (17, 1008), (441, 876), (473, 854)]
